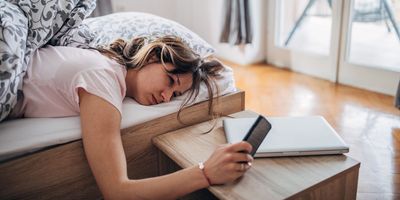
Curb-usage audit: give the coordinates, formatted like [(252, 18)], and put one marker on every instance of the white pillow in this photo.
[(127, 25)]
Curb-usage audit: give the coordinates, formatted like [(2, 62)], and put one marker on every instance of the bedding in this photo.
[(127, 25), (23, 136), (28, 25)]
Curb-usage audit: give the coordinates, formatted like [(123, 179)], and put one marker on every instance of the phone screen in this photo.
[(257, 133)]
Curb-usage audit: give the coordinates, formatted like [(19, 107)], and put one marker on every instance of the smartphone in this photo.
[(257, 133)]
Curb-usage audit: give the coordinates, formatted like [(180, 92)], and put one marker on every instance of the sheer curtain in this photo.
[(237, 24)]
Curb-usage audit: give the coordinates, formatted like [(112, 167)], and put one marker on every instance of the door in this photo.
[(351, 42), (303, 36), (370, 45)]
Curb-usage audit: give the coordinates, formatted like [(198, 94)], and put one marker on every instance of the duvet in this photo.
[(27, 25)]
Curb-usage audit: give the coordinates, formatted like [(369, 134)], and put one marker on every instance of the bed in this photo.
[(61, 171), (43, 158)]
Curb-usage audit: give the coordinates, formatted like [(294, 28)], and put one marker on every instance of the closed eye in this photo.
[(171, 81), (177, 94)]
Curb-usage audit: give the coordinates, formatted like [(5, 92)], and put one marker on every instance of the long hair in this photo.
[(139, 52)]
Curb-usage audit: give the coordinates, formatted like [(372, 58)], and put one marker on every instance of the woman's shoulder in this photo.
[(76, 56), (60, 62), (63, 50)]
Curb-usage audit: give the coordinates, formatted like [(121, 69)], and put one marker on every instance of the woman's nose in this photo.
[(167, 95)]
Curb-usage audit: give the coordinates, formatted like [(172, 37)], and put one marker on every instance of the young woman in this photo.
[(66, 81)]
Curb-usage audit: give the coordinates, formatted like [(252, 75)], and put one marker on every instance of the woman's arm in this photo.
[(101, 136)]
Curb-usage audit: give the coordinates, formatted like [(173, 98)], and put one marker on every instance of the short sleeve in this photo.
[(103, 83)]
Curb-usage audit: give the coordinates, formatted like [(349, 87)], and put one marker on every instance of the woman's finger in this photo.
[(242, 157), (242, 167), (241, 146)]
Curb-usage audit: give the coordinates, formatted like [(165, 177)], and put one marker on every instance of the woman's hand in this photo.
[(228, 163)]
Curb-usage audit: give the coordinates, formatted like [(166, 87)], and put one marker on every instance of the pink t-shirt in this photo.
[(55, 74)]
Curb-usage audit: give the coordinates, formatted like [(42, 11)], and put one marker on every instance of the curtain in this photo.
[(397, 98), (103, 7), (237, 26)]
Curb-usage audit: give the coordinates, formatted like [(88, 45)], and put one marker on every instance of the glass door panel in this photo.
[(303, 35), (370, 45), (375, 34), (305, 25), (354, 42)]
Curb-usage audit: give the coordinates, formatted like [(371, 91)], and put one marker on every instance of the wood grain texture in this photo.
[(166, 166), (312, 177), (62, 172), (367, 121)]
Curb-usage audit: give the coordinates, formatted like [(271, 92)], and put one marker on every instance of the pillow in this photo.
[(127, 25)]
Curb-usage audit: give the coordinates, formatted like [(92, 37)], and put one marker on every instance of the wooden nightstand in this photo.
[(311, 177)]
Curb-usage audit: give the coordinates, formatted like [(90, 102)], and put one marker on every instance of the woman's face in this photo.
[(152, 84)]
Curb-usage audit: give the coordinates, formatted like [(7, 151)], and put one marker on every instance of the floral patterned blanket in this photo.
[(26, 25)]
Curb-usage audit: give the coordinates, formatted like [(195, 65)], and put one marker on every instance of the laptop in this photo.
[(290, 136)]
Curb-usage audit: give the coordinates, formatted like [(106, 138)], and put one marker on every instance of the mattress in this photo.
[(23, 136)]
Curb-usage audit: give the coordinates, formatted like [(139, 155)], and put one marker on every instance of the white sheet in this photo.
[(21, 136)]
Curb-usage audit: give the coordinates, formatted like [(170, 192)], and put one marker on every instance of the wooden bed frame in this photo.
[(62, 172)]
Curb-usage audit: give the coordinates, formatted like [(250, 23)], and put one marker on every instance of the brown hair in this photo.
[(169, 49)]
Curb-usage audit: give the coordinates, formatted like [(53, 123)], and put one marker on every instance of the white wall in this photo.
[(247, 54), (164, 8), (204, 17)]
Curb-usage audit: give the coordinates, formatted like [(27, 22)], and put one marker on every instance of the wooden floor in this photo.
[(366, 120)]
